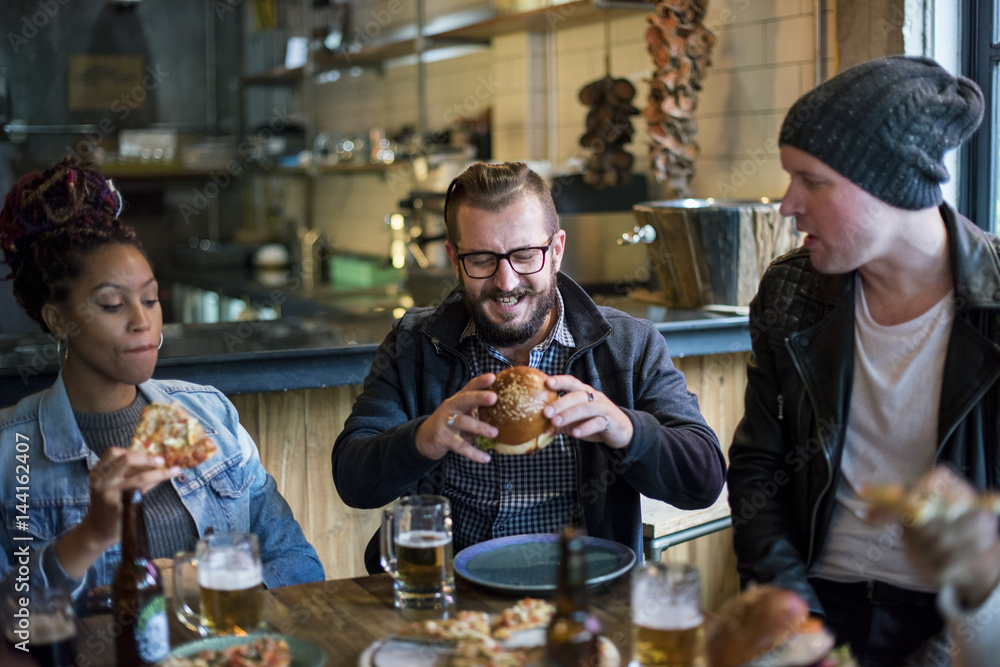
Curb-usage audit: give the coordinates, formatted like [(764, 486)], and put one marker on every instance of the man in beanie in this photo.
[(875, 361)]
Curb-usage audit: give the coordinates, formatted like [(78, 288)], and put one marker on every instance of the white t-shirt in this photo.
[(891, 437)]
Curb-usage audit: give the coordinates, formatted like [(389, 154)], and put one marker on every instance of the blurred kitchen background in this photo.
[(287, 157)]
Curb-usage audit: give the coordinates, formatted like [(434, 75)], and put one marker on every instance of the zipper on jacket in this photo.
[(439, 346), (781, 407), (581, 350), (826, 457)]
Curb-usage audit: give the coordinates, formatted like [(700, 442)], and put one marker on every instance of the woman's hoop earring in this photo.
[(161, 341), (62, 354)]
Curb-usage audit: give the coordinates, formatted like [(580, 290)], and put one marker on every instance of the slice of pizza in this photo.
[(526, 614), (464, 626), (168, 430)]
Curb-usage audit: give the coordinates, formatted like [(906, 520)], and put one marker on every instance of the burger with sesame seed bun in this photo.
[(517, 414)]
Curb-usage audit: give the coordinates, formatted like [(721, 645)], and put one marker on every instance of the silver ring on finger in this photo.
[(590, 397), (451, 420), (607, 424)]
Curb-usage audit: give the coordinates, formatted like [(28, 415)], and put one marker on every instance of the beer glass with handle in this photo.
[(417, 552), (230, 585), (666, 616)]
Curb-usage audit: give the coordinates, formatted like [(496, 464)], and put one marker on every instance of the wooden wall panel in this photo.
[(338, 532), (719, 381), (295, 431)]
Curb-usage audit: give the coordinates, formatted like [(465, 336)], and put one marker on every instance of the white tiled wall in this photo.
[(764, 59)]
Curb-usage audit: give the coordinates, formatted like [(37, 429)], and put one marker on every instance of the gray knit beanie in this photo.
[(886, 124)]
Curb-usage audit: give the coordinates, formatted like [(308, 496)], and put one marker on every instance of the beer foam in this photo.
[(671, 617), (229, 571), (422, 539)]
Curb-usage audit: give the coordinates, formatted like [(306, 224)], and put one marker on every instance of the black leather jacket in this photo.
[(786, 451)]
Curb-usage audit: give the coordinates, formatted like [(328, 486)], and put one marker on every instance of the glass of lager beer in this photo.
[(417, 552), (666, 616), (230, 585)]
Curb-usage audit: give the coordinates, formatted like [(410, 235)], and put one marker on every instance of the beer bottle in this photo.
[(140, 610), (571, 639)]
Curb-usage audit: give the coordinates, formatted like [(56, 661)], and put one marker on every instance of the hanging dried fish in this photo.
[(680, 46)]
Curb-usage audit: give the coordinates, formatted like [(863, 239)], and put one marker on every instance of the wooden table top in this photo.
[(345, 616)]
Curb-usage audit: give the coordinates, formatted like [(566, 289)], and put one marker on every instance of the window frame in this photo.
[(980, 57)]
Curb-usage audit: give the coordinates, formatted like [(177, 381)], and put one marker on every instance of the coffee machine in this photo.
[(418, 244)]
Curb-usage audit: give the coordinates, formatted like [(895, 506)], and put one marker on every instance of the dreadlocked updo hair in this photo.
[(50, 221)]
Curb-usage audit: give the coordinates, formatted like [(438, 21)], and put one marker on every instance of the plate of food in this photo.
[(513, 638), (264, 650), (524, 564)]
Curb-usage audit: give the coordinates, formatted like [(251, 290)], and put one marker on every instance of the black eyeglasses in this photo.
[(525, 261)]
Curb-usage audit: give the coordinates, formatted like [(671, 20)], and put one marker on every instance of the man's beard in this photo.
[(504, 335)]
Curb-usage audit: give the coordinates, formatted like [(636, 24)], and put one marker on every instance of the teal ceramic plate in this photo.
[(304, 652), (525, 564)]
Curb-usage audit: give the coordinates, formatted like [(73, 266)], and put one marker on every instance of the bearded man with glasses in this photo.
[(626, 423)]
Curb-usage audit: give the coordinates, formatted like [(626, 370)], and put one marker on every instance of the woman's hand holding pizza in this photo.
[(117, 470)]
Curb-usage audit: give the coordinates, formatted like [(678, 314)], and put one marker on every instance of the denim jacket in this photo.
[(44, 489)]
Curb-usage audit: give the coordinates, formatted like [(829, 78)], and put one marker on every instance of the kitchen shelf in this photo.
[(555, 17), (476, 27), (349, 168), (153, 171), (277, 76)]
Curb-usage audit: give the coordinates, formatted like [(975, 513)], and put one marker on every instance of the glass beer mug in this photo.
[(417, 552), (230, 585), (666, 616)]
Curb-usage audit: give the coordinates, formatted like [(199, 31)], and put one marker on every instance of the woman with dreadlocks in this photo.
[(80, 274)]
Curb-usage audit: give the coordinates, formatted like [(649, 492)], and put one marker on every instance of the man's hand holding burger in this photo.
[(587, 414), (453, 426), (518, 411)]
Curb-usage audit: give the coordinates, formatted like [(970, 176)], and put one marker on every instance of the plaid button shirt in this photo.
[(514, 495)]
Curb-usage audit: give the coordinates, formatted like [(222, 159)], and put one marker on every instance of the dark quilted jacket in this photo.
[(786, 451)]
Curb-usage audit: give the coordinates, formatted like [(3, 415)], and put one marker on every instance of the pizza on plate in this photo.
[(263, 652), (466, 626), (480, 639), (481, 627), (527, 614), (168, 430)]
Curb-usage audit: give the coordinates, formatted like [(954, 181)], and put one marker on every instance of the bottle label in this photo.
[(152, 633)]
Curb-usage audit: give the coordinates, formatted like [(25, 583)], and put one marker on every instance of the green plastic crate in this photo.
[(347, 272)]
